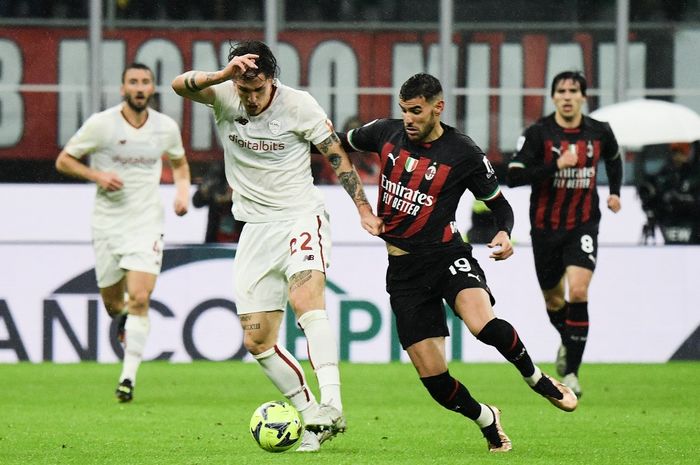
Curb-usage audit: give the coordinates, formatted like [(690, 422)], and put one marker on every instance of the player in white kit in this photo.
[(265, 128), (125, 144)]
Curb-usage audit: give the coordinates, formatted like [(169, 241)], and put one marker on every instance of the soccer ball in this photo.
[(276, 426)]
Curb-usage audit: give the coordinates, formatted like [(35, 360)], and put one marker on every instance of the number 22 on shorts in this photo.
[(300, 243)]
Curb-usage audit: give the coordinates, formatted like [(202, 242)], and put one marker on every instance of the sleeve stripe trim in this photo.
[(516, 164), (492, 196), (349, 137)]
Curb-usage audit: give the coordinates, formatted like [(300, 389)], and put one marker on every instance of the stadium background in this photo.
[(352, 56)]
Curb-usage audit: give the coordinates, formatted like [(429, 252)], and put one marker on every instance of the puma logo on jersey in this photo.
[(556, 150), (241, 120), (472, 275), (122, 142), (393, 158)]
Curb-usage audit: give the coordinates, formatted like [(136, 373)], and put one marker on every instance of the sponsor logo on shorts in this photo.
[(309, 258)]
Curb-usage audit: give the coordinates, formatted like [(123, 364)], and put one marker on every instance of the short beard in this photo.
[(136, 108)]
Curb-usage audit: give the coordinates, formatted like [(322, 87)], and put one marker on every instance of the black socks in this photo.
[(452, 395), (501, 335), (575, 335)]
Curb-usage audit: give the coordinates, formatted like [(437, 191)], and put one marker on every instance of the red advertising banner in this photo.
[(502, 77)]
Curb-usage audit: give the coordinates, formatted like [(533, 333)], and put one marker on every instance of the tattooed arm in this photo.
[(195, 85), (332, 149)]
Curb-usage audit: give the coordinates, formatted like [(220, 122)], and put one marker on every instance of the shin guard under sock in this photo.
[(452, 395), (576, 335), (501, 335)]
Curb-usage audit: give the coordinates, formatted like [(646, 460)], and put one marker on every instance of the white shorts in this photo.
[(268, 254), (115, 256)]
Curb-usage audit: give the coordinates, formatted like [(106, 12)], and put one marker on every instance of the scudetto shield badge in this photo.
[(411, 164)]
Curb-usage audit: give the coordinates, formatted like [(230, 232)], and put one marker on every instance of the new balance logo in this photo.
[(309, 258)]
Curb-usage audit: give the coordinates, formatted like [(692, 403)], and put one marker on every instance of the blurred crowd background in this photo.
[(363, 10)]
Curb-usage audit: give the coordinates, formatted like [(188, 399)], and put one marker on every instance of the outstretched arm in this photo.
[(333, 150), (69, 165), (195, 85)]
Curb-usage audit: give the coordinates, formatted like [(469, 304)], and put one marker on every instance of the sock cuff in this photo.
[(137, 320), (311, 316), (430, 381)]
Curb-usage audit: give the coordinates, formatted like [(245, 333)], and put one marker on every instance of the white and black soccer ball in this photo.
[(276, 426)]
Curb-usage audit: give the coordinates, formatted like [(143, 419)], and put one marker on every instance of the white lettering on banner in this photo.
[(165, 59), (333, 75), (333, 64), (406, 57), (11, 104), (53, 312), (73, 77)]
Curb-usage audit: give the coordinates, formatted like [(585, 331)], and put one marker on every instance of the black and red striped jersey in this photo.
[(420, 185), (561, 200)]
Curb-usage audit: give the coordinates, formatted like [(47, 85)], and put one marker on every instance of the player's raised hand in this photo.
[(239, 65), (109, 181), (504, 247)]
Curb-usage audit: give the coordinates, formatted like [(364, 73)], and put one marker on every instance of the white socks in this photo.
[(287, 375), (486, 418), (137, 329), (532, 380), (323, 354)]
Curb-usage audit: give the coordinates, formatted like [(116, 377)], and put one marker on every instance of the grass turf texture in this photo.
[(198, 414)]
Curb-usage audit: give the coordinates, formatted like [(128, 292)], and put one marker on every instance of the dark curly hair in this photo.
[(420, 85), (266, 61)]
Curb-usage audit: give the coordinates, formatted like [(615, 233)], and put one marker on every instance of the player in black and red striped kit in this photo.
[(426, 167), (559, 156)]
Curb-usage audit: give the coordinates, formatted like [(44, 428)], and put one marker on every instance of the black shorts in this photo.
[(555, 250), (417, 285)]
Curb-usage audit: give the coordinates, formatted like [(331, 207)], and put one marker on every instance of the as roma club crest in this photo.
[(274, 126)]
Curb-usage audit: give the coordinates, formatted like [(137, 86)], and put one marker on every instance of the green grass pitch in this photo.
[(198, 413)]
